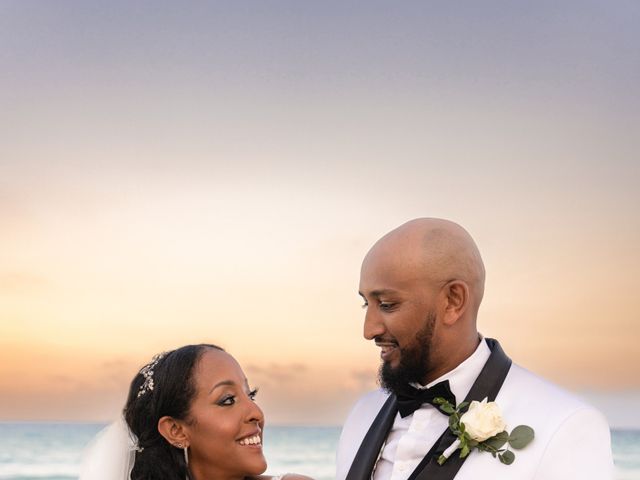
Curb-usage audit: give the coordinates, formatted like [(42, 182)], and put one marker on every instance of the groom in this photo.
[(422, 285)]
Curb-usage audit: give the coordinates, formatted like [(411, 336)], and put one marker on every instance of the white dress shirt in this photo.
[(410, 438)]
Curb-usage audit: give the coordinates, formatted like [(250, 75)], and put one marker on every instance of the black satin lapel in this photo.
[(487, 385), (492, 376), (367, 454)]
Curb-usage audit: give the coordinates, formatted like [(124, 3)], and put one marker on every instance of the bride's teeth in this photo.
[(255, 440)]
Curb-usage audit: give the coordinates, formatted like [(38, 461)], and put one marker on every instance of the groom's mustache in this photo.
[(385, 341)]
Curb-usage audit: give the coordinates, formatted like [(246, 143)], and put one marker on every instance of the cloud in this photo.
[(364, 379), (619, 406), (116, 374), (20, 282), (276, 373)]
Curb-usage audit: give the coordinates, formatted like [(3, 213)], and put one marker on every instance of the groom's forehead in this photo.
[(390, 274), (384, 260)]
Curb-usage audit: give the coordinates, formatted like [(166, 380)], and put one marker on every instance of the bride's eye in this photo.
[(252, 394), (227, 401)]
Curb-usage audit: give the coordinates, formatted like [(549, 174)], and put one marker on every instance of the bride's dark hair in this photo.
[(170, 393)]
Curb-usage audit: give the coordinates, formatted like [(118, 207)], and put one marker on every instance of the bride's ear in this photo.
[(173, 432)]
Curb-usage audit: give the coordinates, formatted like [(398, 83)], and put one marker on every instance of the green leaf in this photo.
[(507, 457), (497, 441), (463, 442), (453, 421), (462, 405), (521, 436), (465, 451), (439, 401), (447, 408)]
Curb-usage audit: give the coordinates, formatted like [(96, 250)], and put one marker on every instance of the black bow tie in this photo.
[(413, 398)]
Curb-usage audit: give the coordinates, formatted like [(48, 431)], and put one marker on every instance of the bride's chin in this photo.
[(260, 467)]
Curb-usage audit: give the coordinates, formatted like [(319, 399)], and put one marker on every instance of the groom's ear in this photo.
[(456, 295), (173, 431)]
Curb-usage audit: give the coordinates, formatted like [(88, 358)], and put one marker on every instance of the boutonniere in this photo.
[(482, 427)]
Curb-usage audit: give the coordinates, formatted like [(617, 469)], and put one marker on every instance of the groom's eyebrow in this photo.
[(222, 383), (378, 293)]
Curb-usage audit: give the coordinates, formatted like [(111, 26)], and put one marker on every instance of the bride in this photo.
[(190, 415)]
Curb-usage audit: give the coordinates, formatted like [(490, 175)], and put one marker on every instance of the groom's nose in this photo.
[(373, 325)]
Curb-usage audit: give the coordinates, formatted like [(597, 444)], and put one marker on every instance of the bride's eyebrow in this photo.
[(222, 383)]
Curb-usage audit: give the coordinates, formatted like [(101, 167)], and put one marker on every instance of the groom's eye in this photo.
[(386, 305), (365, 305)]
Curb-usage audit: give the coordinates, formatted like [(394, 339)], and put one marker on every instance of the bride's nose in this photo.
[(254, 413)]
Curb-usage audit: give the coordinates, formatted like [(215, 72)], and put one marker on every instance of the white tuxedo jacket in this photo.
[(572, 439)]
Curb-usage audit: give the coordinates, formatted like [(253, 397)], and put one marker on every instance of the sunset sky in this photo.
[(178, 172)]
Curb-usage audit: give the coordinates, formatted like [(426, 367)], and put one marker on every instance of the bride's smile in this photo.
[(254, 440)]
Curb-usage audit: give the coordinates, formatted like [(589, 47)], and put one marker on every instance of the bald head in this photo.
[(433, 251)]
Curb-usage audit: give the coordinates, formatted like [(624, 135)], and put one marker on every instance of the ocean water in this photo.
[(626, 453), (52, 451)]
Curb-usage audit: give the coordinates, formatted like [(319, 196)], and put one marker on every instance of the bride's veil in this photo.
[(110, 455)]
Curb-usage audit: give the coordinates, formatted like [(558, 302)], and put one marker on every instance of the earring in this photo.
[(186, 461), (186, 457)]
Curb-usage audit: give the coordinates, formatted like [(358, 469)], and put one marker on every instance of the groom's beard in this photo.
[(414, 362)]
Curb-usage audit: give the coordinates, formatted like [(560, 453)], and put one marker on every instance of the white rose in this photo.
[(483, 420)]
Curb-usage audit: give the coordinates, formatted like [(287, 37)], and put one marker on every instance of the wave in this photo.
[(43, 470)]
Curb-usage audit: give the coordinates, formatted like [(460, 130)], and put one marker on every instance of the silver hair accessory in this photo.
[(147, 373)]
